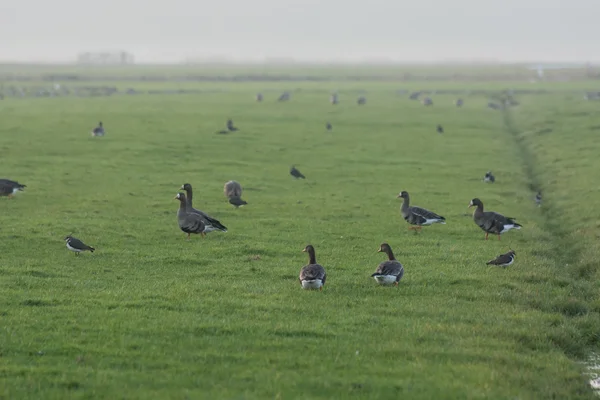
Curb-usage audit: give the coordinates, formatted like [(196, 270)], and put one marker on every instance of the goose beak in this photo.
[(470, 204), (181, 188), (304, 250), (379, 251), (176, 197)]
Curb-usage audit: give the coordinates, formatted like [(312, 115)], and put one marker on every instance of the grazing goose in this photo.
[(237, 202), (491, 222), (489, 178), (388, 272), (99, 130), (211, 224), (503, 260), (295, 173), (440, 129), (9, 188), (77, 245), (328, 126), (312, 275), (232, 189), (416, 215), (538, 198), (189, 222)]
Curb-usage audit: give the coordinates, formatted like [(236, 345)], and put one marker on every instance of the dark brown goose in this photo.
[(9, 188), (211, 224), (189, 222), (491, 222), (503, 260), (388, 272), (312, 275), (416, 215)]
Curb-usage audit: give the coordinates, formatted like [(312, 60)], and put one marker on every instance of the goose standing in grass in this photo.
[(10, 188), (211, 224), (312, 275), (388, 272), (538, 198), (440, 129), (503, 260), (99, 130), (416, 215), (295, 173), (189, 222), (489, 178), (77, 245), (491, 222)]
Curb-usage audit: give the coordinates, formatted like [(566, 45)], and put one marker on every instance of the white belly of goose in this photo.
[(508, 227), (433, 221), (313, 284), (73, 248), (385, 279)]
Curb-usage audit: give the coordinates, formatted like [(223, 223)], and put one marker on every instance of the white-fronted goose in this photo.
[(388, 272), (211, 224), (9, 188), (416, 215), (503, 260), (295, 173), (99, 130), (312, 275), (189, 222), (232, 189), (491, 222), (489, 177), (77, 245)]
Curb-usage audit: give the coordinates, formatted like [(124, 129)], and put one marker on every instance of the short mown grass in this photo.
[(150, 315)]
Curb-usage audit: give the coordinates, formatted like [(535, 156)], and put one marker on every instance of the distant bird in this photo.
[(189, 222), (503, 260), (494, 106), (459, 102), (538, 198), (489, 178), (414, 95), (211, 224), (416, 215), (440, 129), (334, 99), (295, 173), (362, 100), (232, 189), (237, 202), (491, 222), (328, 126), (259, 97), (388, 272), (9, 188), (77, 245), (285, 96), (312, 275), (99, 130), (427, 101), (229, 127)]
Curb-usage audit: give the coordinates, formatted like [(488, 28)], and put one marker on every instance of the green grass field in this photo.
[(151, 315)]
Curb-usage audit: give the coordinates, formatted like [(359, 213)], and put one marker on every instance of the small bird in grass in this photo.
[(328, 126), (77, 245), (312, 275), (388, 272), (489, 178), (440, 129), (99, 130), (538, 198), (229, 127), (10, 188), (503, 260), (237, 202), (295, 173)]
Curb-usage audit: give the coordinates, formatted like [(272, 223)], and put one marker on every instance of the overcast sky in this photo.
[(401, 30)]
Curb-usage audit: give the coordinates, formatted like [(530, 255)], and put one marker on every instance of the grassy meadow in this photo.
[(151, 315)]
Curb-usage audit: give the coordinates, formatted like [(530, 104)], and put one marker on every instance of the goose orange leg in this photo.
[(486, 235), (498, 236)]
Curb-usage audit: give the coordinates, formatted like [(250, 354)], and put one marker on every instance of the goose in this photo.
[(232, 189), (503, 260), (77, 245), (491, 222), (489, 178), (416, 215), (295, 173), (388, 272), (312, 275), (189, 222), (210, 224), (334, 99), (99, 130), (9, 188)]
